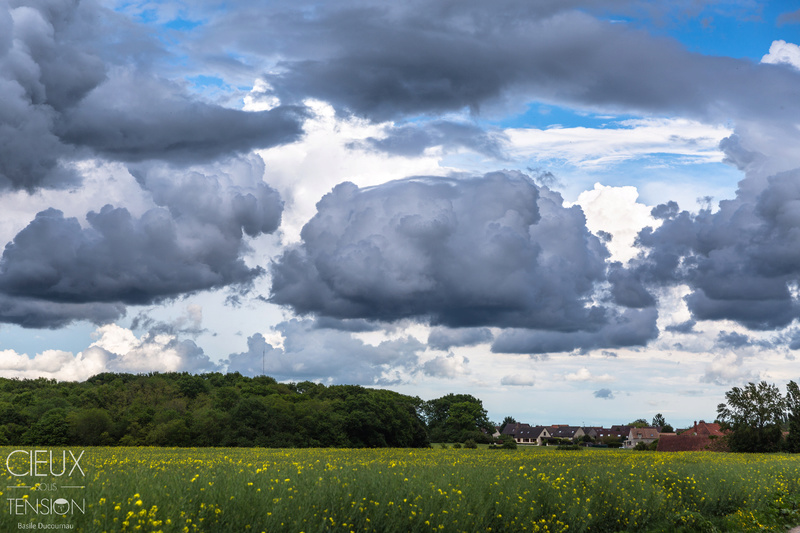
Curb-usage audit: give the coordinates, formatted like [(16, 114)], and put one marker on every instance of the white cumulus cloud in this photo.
[(584, 374), (781, 52)]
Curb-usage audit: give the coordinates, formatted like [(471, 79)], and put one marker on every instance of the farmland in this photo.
[(257, 489)]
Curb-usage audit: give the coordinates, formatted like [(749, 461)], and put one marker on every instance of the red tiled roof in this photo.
[(701, 436)]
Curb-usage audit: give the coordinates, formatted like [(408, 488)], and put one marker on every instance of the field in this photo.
[(386, 490)]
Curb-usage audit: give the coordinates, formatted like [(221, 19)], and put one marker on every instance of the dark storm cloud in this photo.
[(118, 258), (135, 117), (72, 79), (42, 72), (683, 327), (194, 242), (356, 325), (39, 314), (741, 262), (445, 338), (794, 340), (665, 211), (631, 327), (414, 139), (310, 353), (731, 339), (494, 250), (475, 252), (626, 288), (415, 58)]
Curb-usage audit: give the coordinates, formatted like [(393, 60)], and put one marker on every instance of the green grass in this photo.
[(387, 490)]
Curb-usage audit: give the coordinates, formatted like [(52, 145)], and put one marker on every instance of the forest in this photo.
[(232, 410)]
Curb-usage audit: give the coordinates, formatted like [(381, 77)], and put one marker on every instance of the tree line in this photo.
[(182, 409)]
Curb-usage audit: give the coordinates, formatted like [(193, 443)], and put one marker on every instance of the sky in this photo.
[(580, 212)]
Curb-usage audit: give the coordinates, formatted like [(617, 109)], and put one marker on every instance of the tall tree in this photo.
[(455, 418), (793, 416), (506, 421), (755, 414)]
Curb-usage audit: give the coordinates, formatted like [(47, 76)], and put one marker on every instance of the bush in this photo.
[(443, 446), (470, 444), (479, 437), (456, 446), (509, 443)]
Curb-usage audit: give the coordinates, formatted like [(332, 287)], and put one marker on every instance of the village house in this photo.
[(534, 435), (628, 436), (619, 433), (591, 432), (512, 429), (565, 432), (644, 435), (527, 434)]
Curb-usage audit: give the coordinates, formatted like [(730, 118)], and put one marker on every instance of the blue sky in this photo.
[(578, 212)]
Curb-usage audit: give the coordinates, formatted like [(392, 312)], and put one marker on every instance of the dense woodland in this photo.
[(181, 409)]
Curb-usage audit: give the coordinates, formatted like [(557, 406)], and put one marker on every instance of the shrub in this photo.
[(509, 443), (470, 444)]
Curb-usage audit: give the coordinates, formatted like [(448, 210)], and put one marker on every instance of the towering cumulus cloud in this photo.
[(741, 262), (42, 73), (490, 251), (76, 85), (192, 241)]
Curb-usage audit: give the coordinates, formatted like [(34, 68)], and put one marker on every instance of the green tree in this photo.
[(793, 417), (89, 426), (639, 423), (52, 429), (455, 418), (507, 442), (506, 421), (181, 409), (755, 414), (660, 422)]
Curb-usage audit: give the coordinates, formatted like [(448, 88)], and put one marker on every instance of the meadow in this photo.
[(386, 490)]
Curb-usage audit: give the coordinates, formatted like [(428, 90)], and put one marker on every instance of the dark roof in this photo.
[(512, 429), (530, 432), (563, 432), (613, 431), (705, 429)]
